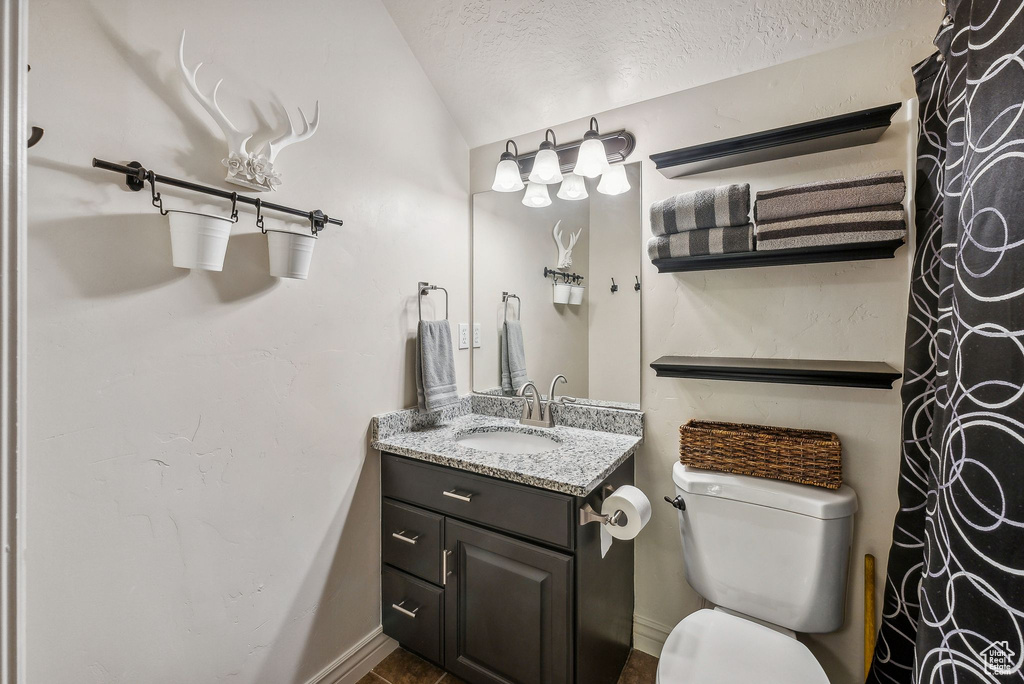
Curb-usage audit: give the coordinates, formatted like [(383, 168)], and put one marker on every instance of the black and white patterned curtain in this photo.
[(953, 611)]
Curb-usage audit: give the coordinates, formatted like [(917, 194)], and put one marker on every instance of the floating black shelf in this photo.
[(833, 133), (782, 257), (868, 374)]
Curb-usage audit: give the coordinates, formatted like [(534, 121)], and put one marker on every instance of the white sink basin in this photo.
[(507, 442)]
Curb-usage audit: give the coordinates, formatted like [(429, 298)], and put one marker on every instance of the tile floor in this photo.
[(402, 667)]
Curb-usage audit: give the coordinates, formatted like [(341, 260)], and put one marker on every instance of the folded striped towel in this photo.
[(726, 205), (823, 197), (702, 241), (871, 224)]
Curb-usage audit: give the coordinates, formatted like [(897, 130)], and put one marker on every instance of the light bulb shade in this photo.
[(614, 181), (546, 168), (536, 195), (573, 188), (506, 176), (592, 160)]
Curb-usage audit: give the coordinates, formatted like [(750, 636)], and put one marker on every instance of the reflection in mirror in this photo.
[(542, 293)]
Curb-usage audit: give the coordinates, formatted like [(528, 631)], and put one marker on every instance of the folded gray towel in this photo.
[(435, 366), (822, 197), (870, 224), (701, 242), (513, 357), (726, 205)]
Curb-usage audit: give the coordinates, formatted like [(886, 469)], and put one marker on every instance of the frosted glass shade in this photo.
[(573, 188), (546, 168), (592, 160), (536, 195), (614, 181), (506, 176)]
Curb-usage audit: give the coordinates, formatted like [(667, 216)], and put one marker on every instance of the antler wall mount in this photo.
[(253, 169)]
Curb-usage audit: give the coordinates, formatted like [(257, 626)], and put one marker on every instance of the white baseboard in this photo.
[(353, 664), (649, 635)]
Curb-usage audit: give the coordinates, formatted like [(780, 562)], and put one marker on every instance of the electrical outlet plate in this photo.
[(463, 335), (476, 336)]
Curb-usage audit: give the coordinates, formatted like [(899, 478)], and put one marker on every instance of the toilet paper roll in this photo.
[(636, 508)]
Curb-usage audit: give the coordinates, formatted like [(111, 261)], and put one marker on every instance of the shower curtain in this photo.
[(953, 610)]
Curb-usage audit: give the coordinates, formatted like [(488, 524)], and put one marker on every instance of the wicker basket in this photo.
[(806, 456)]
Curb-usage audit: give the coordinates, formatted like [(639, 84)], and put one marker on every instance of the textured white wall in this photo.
[(507, 67), (202, 502), (840, 311)]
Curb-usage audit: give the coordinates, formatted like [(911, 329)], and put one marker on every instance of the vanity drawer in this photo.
[(412, 613), (527, 511), (411, 540)]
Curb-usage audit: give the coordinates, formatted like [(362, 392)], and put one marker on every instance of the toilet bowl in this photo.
[(774, 557), (715, 647)]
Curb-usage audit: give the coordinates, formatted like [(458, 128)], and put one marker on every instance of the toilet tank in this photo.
[(776, 551)]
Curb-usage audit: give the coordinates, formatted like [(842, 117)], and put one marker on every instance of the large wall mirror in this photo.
[(594, 337)]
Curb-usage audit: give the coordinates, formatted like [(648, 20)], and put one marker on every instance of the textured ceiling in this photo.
[(506, 67)]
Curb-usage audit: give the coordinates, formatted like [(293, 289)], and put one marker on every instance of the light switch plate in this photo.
[(476, 336), (463, 335)]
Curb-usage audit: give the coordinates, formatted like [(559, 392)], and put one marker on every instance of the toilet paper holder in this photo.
[(589, 515)]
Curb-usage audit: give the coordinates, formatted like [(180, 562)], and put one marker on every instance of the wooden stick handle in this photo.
[(870, 627)]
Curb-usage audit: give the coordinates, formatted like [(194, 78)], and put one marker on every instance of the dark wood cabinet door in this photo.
[(508, 609)]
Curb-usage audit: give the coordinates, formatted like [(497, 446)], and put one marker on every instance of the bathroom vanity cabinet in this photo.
[(499, 582)]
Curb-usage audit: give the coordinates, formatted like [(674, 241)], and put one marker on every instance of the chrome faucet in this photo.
[(539, 414), (532, 414)]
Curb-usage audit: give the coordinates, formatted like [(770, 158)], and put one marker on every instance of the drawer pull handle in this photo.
[(404, 611), (461, 497), (444, 567), (401, 537)]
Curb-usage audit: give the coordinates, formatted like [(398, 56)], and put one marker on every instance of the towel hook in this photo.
[(158, 201), (637, 286), (424, 288), (615, 288), (505, 296), (259, 216)]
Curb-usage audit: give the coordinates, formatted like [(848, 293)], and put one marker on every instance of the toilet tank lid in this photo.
[(816, 502)]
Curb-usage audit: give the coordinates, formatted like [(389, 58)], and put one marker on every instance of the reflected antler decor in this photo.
[(252, 169), (564, 253)]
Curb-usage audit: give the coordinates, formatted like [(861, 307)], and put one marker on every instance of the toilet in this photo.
[(774, 559)]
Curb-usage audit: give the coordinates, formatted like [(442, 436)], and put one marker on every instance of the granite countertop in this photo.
[(581, 461)]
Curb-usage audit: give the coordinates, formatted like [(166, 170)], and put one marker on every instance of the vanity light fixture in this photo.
[(546, 166), (573, 187), (592, 160), (614, 181), (536, 195), (507, 176)]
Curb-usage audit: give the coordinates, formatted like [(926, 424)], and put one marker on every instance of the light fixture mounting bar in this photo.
[(618, 145)]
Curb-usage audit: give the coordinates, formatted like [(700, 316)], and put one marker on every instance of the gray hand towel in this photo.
[(726, 205), (513, 357), (823, 197), (702, 242), (435, 366)]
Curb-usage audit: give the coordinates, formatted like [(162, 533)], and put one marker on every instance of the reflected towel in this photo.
[(435, 366), (702, 242), (823, 197), (726, 205), (871, 224), (513, 357)]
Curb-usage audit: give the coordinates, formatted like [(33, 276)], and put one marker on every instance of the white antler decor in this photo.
[(565, 253), (252, 169)]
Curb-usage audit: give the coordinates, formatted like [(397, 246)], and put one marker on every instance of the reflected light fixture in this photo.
[(536, 195), (507, 175), (614, 181), (573, 187), (592, 160), (547, 169)]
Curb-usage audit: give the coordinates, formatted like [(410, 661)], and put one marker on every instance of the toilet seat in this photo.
[(712, 647)]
